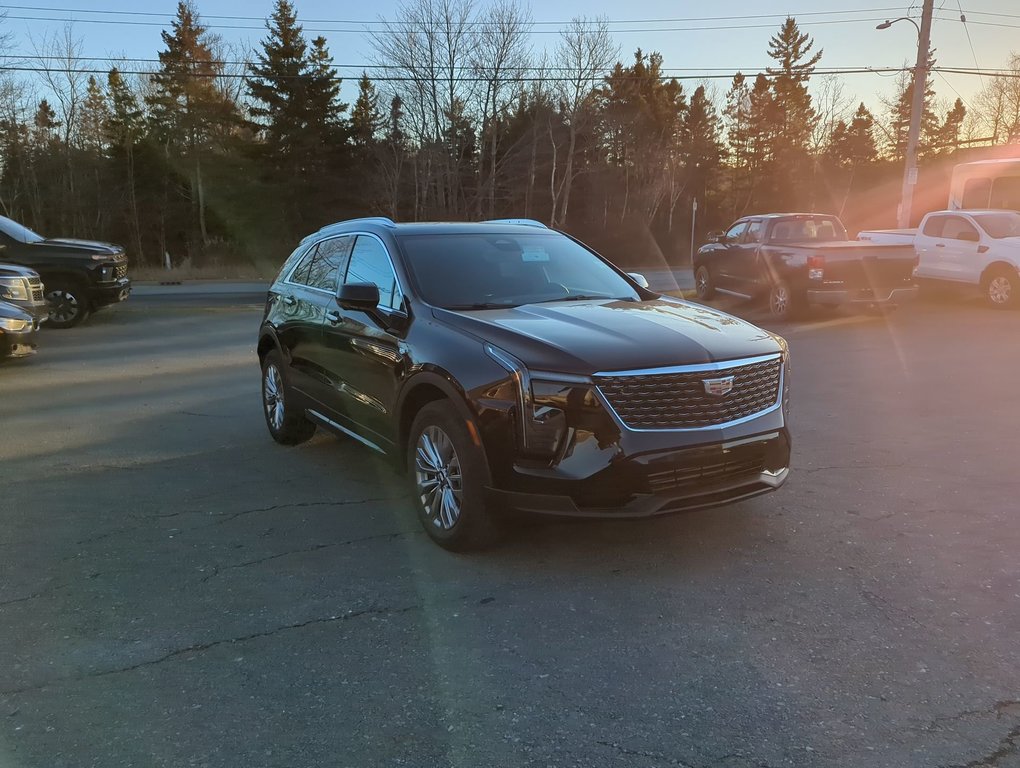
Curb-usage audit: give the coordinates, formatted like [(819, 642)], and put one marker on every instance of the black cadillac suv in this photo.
[(502, 364)]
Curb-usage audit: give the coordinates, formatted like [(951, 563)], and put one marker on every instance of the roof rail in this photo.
[(385, 221), (522, 222)]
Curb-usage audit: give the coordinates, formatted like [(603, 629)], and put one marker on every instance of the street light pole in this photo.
[(916, 110)]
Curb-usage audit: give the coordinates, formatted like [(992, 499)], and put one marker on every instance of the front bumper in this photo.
[(39, 310), (863, 296), (19, 343), (660, 483), (110, 293)]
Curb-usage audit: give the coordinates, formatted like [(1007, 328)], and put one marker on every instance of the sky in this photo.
[(697, 39)]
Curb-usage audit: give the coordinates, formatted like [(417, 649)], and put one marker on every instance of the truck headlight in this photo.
[(14, 325), (14, 288)]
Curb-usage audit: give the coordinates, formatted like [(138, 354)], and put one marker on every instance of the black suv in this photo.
[(80, 275), (504, 364)]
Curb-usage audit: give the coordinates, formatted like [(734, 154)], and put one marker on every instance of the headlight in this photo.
[(107, 272), (13, 324), (551, 407), (14, 288)]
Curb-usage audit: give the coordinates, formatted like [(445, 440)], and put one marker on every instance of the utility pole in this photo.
[(916, 113)]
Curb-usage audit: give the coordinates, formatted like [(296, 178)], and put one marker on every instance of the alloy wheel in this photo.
[(780, 301), (701, 282), (272, 396), (1000, 290), (438, 477), (63, 306)]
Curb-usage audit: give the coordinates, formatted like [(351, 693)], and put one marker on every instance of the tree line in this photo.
[(221, 155)]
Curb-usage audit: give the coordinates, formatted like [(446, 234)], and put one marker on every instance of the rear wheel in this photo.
[(1001, 288), (703, 283), (68, 304), (448, 473), (784, 304), (287, 425)]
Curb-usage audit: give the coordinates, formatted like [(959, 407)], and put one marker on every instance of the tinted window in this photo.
[(300, 275), (463, 270), (933, 227), (1005, 193), (956, 227), (976, 193), (806, 229), (999, 225), (734, 232), (755, 232), (371, 264), (325, 267)]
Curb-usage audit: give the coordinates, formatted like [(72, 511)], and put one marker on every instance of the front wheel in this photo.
[(448, 473), (1001, 289), (703, 283), (68, 304)]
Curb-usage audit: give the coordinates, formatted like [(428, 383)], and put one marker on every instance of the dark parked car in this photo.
[(798, 259), (18, 332), (80, 275), (23, 287), (507, 365)]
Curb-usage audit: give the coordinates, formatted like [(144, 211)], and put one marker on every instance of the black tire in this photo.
[(288, 426), (784, 303), (1001, 288), (704, 287), (68, 304), (441, 455)]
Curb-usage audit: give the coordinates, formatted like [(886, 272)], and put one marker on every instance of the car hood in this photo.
[(587, 337), (13, 312), (13, 270), (83, 247)]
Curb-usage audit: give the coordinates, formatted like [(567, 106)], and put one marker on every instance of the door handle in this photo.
[(940, 245), (334, 317), (290, 301)]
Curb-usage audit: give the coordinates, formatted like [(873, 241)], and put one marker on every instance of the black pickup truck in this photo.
[(800, 259), (79, 275)]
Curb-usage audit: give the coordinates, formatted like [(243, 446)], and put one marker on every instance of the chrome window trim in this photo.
[(700, 368)]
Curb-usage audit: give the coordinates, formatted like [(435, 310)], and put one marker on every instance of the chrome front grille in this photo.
[(121, 270), (36, 288), (679, 399)]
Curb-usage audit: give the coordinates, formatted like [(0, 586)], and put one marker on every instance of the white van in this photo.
[(986, 184)]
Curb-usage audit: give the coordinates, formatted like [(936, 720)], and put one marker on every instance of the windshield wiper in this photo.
[(480, 305), (583, 297)]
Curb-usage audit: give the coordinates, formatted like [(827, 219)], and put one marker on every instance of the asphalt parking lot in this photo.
[(178, 590)]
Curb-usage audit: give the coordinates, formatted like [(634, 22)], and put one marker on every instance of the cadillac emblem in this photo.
[(718, 387)]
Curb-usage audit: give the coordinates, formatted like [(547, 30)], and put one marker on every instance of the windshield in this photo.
[(801, 229), (18, 232), (483, 270), (999, 225)]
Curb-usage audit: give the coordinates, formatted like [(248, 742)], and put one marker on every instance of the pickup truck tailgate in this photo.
[(866, 270)]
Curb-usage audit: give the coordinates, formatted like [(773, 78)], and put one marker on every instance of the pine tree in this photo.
[(278, 84), (899, 114), (93, 118), (853, 145), (947, 137), (366, 120), (325, 109), (124, 122)]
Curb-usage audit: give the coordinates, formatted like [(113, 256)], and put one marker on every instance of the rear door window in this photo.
[(324, 271), (755, 232)]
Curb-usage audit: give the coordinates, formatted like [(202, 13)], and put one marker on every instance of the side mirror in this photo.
[(638, 278), (716, 236), (969, 236), (358, 296)]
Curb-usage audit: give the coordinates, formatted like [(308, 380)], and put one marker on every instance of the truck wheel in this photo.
[(783, 302), (287, 424), (68, 304), (1001, 288), (703, 285), (448, 474)]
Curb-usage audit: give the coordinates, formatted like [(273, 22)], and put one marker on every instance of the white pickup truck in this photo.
[(965, 248)]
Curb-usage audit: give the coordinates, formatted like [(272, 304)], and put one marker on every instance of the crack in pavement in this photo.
[(217, 570), (641, 753), (202, 647), (1008, 745), (227, 517), (41, 593)]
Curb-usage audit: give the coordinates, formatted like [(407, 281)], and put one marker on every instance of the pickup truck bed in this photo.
[(853, 272)]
